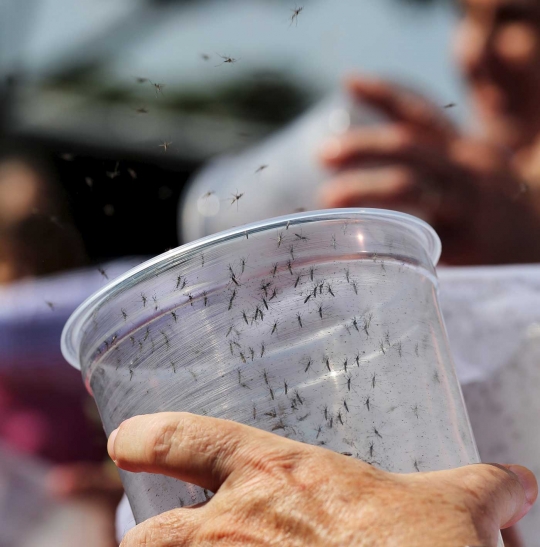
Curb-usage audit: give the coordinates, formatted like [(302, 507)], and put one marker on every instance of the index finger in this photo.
[(197, 449), (400, 104)]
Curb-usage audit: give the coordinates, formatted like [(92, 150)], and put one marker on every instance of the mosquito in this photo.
[(158, 87), (329, 289), (226, 59), (345, 364), (165, 145), (373, 380), (355, 287), (296, 12), (279, 239), (311, 273), (274, 328), (236, 198), (340, 417), (301, 237), (274, 294), (449, 105), (274, 269), (286, 387), (261, 168), (142, 80), (299, 317), (367, 323), (124, 314), (233, 296), (307, 298), (321, 311), (264, 287), (334, 243), (205, 57), (175, 316), (50, 304), (327, 362), (367, 404), (345, 405), (416, 466), (297, 281), (308, 364), (103, 272), (141, 110), (289, 266)]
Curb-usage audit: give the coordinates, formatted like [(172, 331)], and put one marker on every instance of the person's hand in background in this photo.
[(275, 491), (469, 190)]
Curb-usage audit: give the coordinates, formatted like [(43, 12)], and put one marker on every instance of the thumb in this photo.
[(503, 494)]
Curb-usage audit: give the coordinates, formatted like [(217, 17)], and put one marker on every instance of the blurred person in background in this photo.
[(45, 412), (480, 190)]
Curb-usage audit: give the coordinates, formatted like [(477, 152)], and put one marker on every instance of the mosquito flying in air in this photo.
[(158, 88), (115, 173), (296, 12), (165, 145), (236, 198), (261, 168), (226, 59)]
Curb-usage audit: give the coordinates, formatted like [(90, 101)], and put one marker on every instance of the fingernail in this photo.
[(331, 149), (527, 480), (110, 444)]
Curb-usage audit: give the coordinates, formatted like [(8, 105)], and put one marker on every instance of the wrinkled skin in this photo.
[(274, 491)]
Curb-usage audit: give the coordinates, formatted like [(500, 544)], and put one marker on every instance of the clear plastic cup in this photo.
[(323, 327)]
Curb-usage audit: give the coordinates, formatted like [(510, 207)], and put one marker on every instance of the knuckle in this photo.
[(160, 531), (402, 178), (163, 439), (279, 463), (404, 139)]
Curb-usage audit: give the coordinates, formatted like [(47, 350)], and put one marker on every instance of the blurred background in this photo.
[(107, 108)]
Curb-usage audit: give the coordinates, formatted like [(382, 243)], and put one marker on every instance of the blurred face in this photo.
[(498, 50)]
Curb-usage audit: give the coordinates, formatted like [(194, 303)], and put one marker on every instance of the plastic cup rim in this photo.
[(84, 310)]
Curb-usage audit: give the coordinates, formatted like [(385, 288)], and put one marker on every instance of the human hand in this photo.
[(468, 190), (270, 490)]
